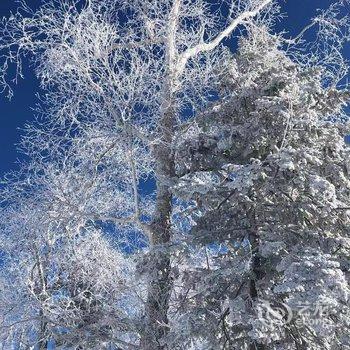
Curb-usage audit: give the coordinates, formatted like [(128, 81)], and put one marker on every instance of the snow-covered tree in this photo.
[(72, 286), (267, 172), (251, 196)]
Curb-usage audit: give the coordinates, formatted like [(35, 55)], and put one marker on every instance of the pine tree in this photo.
[(268, 171)]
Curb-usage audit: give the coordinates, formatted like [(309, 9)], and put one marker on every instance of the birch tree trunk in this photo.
[(159, 288)]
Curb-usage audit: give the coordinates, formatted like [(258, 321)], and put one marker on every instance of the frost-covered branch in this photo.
[(205, 47)]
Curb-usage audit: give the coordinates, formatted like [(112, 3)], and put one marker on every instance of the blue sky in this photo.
[(15, 113)]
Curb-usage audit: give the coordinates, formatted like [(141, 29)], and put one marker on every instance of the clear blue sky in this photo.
[(16, 112)]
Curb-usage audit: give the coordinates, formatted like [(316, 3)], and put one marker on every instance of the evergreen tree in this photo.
[(266, 173)]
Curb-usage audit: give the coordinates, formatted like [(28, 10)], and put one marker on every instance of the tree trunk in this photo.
[(256, 276), (160, 285), (43, 343)]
